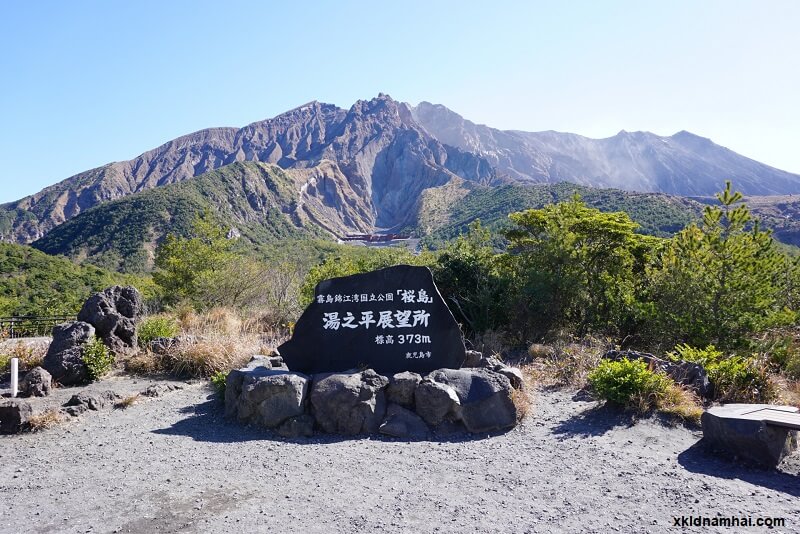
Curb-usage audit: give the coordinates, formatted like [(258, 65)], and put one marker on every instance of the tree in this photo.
[(578, 265), (721, 280), (184, 264), (474, 280)]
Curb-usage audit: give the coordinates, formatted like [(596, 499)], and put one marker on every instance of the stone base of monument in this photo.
[(758, 433), (404, 405)]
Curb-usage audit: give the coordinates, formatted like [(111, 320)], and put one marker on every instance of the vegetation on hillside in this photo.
[(34, 283)]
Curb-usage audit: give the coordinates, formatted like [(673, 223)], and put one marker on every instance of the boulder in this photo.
[(268, 397), (473, 359), (689, 374), (403, 423), (484, 397), (14, 415), (86, 400), (114, 313), (745, 431), (515, 376), (492, 363), (36, 383), (349, 403), (64, 358), (402, 387), (433, 401), (296, 427)]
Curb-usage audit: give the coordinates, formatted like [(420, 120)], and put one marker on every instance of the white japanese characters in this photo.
[(407, 296), (386, 319)]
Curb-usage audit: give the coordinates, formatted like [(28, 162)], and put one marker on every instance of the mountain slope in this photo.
[(384, 155), (379, 149), (261, 202), (683, 164), (34, 283)]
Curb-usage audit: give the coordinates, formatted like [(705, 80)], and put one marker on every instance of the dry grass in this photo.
[(677, 402), (206, 355), (564, 363), (30, 354), (218, 340), (522, 402), (788, 391), (127, 402), (45, 420)]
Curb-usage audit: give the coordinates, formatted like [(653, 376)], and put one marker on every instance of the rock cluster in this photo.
[(64, 358), (689, 374), (405, 405), (36, 383), (112, 315)]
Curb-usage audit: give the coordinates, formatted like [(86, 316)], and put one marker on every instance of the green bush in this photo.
[(218, 381), (5, 362), (98, 358), (738, 379), (628, 383), (735, 378), (155, 327)]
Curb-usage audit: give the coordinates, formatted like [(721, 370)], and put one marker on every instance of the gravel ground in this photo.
[(173, 464)]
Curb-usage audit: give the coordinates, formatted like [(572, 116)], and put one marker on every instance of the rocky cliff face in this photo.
[(367, 167)]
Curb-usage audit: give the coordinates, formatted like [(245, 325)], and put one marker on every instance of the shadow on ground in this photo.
[(700, 459), (207, 422), (594, 422)]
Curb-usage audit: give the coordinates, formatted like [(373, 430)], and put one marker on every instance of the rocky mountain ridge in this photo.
[(383, 155)]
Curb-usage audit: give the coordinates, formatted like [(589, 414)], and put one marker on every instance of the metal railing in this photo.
[(30, 326)]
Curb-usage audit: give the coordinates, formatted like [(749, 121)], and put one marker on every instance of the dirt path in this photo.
[(173, 464)]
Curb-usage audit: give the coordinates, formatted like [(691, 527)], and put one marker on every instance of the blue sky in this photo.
[(85, 83)]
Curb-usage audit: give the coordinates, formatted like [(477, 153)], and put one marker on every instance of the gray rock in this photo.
[(744, 430), (270, 362), (474, 358), (349, 403), (515, 376), (402, 387), (115, 313), (156, 390), (433, 401), (36, 383), (484, 396), (492, 363), (85, 400), (296, 427), (64, 358), (14, 415), (689, 374), (403, 423), (269, 396)]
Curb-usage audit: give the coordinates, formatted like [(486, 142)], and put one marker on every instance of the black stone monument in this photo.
[(390, 320)]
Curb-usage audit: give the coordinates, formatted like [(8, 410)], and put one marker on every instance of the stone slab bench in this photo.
[(763, 434)]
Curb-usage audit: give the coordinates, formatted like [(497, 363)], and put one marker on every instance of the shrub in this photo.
[(738, 379), (735, 378), (155, 327), (628, 383), (5, 362), (98, 358), (218, 381)]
